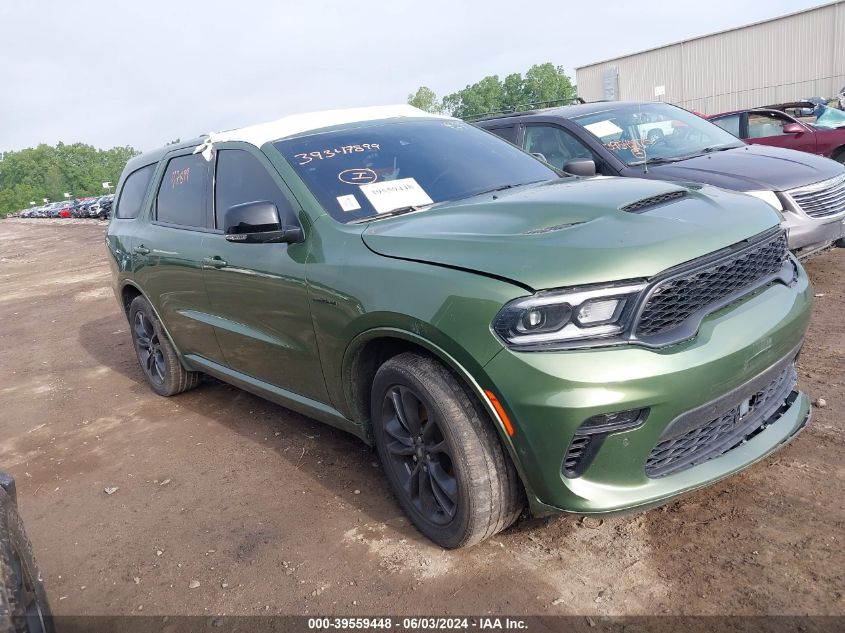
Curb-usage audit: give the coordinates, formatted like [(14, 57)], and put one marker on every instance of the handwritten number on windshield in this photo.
[(324, 154)]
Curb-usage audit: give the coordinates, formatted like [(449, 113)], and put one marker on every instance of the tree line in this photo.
[(542, 85), (47, 171)]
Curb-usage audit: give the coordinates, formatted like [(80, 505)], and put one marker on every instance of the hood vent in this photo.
[(549, 229), (646, 203)]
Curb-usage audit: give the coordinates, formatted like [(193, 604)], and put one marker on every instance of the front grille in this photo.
[(724, 432), (641, 205), (677, 298), (823, 199)]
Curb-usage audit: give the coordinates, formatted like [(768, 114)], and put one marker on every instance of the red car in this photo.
[(802, 125)]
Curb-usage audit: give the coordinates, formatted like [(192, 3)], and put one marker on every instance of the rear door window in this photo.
[(182, 195), (241, 178), (134, 190)]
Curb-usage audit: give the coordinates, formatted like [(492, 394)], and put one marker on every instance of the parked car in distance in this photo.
[(662, 141), (500, 333), (81, 209), (102, 209), (23, 602), (801, 125)]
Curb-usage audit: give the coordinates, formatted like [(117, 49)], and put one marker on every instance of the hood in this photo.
[(748, 168), (572, 232)]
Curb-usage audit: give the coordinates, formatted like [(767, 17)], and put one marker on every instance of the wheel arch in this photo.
[(370, 349), (130, 291)]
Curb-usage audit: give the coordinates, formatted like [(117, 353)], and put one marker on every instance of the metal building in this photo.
[(783, 59)]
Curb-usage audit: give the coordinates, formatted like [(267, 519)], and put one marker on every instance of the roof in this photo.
[(706, 35), (300, 123), (569, 111), (291, 125)]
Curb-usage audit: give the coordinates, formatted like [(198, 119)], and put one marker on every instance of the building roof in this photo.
[(700, 37)]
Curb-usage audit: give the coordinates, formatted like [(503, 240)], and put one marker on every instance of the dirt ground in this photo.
[(269, 512)]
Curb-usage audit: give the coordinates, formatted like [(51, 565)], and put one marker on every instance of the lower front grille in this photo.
[(822, 199), (681, 447), (576, 457)]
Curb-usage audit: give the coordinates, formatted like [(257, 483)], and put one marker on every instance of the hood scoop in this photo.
[(640, 206)]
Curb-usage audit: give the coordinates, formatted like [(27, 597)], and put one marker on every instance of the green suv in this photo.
[(500, 334)]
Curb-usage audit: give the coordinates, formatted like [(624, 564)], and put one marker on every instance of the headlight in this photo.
[(565, 318), (769, 197)]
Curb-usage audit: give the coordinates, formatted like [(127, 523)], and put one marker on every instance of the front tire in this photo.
[(441, 455), (156, 355)]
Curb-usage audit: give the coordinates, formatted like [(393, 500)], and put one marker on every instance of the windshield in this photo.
[(655, 131), (828, 118), (379, 168)]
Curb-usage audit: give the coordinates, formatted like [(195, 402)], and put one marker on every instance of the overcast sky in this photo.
[(141, 73)]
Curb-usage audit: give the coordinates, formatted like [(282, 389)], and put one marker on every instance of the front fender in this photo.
[(472, 375)]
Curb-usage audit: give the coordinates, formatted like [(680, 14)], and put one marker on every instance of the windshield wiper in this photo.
[(718, 148), (495, 189), (655, 161), (391, 214)]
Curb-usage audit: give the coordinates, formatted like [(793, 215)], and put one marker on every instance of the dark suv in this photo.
[(662, 141), (498, 332)]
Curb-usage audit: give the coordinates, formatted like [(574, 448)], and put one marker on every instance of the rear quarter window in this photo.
[(729, 123), (134, 190), (182, 195), (507, 132)]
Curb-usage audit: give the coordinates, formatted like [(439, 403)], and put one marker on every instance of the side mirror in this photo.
[(793, 128), (580, 167), (258, 223)]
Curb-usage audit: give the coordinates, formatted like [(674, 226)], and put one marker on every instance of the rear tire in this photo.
[(158, 359), (441, 455)]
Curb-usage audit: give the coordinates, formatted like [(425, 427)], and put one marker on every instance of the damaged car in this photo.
[(503, 336)]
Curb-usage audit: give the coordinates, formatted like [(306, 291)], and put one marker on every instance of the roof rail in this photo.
[(523, 107)]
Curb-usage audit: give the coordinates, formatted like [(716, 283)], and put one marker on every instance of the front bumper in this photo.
[(548, 395), (808, 235)]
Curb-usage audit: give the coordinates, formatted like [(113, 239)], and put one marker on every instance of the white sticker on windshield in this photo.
[(388, 195), (348, 203), (603, 128)]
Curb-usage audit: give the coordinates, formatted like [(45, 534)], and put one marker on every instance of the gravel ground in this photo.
[(227, 504)]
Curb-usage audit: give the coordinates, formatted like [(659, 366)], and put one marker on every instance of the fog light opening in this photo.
[(613, 422), (591, 435)]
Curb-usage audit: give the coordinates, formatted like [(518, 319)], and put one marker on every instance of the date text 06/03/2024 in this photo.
[(417, 623)]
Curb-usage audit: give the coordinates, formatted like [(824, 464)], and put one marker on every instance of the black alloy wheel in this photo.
[(440, 452), (420, 455), (158, 358), (150, 353)]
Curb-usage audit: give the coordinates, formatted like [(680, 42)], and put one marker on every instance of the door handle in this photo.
[(141, 250), (213, 262)]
